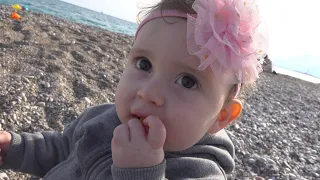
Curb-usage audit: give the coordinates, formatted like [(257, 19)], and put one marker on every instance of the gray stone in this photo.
[(4, 176), (292, 176), (78, 56), (267, 64), (41, 104), (87, 100), (251, 160), (316, 175), (270, 161), (17, 26)]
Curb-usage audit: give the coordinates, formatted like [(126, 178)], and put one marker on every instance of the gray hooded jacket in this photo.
[(83, 152)]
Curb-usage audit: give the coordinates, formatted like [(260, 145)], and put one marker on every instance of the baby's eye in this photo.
[(143, 64), (187, 82)]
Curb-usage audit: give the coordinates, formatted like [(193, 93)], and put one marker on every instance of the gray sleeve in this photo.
[(37, 153), (177, 168), (154, 173)]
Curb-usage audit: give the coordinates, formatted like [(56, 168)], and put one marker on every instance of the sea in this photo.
[(77, 14), (98, 19)]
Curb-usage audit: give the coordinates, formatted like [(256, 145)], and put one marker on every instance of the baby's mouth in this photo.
[(146, 128), (138, 117)]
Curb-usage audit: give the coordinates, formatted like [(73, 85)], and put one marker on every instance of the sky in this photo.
[(293, 27)]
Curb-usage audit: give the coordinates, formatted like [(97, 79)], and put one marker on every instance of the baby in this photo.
[(180, 88)]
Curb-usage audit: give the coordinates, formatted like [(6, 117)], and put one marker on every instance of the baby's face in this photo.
[(161, 78)]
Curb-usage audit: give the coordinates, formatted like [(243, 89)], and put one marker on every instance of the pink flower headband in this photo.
[(223, 35)]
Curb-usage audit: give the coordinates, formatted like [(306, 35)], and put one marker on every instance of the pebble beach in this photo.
[(52, 69)]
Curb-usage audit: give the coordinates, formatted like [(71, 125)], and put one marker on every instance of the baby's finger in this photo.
[(137, 133), (157, 132), (121, 135)]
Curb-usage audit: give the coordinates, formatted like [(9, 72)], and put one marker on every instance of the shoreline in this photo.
[(296, 74)]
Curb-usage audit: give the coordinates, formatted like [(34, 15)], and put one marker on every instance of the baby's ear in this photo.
[(229, 113)]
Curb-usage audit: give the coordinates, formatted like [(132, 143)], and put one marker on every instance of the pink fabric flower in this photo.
[(224, 36)]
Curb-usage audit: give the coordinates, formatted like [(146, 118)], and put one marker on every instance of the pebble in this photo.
[(25, 79), (17, 26), (251, 161), (270, 161), (285, 163), (52, 57), (77, 56), (24, 98), (236, 126), (316, 175), (87, 100), (14, 117), (292, 176), (41, 104), (4, 176), (310, 160)]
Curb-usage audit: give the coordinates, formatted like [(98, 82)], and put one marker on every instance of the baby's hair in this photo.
[(245, 91), (182, 5), (186, 7)]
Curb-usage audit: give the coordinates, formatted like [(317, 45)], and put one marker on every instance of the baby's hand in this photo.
[(5, 140), (133, 148)]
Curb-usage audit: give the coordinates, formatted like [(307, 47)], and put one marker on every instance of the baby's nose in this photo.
[(152, 93)]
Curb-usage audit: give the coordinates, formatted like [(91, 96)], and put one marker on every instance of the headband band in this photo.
[(160, 14)]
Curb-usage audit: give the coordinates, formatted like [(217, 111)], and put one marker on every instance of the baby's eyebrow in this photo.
[(141, 51), (192, 68)]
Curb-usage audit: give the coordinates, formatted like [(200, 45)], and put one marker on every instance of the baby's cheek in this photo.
[(178, 138)]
